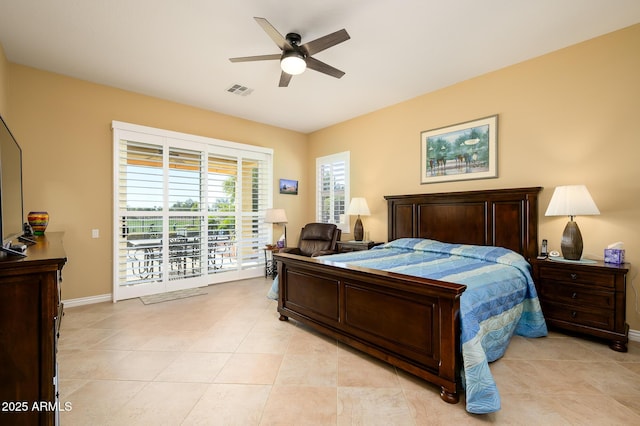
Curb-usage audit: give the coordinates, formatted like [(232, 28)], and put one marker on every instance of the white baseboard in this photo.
[(634, 335), (70, 303)]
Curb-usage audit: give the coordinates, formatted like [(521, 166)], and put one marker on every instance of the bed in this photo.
[(429, 325)]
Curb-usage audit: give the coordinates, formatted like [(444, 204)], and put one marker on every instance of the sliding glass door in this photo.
[(189, 210)]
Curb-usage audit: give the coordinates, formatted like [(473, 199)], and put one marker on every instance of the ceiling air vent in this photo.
[(238, 89)]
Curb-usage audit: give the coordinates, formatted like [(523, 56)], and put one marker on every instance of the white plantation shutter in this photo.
[(253, 202), (188, 210), (222, 189), (140, 196), (184, 179), (332, 189)]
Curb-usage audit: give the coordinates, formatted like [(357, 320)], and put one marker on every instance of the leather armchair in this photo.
[(316, 239)]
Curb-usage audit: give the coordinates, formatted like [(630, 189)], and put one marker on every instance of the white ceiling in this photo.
[(179, 50)]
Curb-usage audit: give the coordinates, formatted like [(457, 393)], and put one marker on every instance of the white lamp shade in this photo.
[(358, 206), (275, 216), (571, 200), (293, 63)]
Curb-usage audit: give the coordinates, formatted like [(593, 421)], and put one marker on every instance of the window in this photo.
[(332, 189), (189, 211)]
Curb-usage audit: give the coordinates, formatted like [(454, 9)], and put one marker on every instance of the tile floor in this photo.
[(225, 359)]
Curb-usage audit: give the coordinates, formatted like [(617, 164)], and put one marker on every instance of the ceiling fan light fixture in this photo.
[(293, 63), (295, 57)]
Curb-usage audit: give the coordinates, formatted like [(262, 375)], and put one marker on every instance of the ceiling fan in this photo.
[(296, 57)]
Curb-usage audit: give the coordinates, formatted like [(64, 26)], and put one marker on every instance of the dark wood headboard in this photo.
[(502, 217)]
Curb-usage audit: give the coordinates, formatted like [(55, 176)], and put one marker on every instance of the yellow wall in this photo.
[(4, 65), (64, 128), (569, 117), (566, 117)]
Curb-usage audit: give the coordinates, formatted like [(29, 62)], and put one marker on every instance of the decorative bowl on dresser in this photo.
[(587, 298)]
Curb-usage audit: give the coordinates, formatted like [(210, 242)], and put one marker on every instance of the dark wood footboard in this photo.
[(412, 323), (409, 322)]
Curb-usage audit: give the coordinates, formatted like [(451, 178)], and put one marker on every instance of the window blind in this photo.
[(189, 210), (332, 183)]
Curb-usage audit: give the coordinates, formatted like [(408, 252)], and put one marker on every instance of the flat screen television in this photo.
[(11, 214)]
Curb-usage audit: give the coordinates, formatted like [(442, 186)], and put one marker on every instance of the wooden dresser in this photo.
[(584, 298), (30, 315)]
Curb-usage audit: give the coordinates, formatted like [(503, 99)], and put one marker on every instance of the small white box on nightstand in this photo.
[(615, 256)]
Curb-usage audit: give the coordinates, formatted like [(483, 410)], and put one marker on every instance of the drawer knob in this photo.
[(574, 295), (574, 314), (574, 276)]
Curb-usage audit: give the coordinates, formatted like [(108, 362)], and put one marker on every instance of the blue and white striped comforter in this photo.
[(500, 300)]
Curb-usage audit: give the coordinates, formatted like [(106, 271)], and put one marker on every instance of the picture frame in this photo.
[(463, 151), (288, 186)]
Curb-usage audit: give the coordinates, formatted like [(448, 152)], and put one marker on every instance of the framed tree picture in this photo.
[(462, 151)]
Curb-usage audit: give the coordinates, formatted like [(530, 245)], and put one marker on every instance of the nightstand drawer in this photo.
[(576, 295), (602, 319), (577, 276)]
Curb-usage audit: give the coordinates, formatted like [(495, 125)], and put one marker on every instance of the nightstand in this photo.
[(346, 246), (587, 298)]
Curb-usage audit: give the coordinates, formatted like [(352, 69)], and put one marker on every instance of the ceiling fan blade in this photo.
[(284, 79), (257, 58), (273, 33), (322, 43), (320, 66)]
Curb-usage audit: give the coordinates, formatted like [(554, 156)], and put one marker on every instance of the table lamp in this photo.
[(571, 200), (279, 217), (358, 206)]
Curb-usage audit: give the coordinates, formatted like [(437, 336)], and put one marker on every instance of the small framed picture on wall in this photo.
[(288, 186)]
